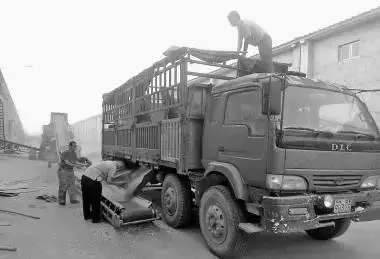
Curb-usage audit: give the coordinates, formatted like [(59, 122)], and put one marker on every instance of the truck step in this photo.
[(149, 188), (250, 228)]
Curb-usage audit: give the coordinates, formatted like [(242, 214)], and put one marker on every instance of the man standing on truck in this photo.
[(66, 178), (91, 185), (254, 35)]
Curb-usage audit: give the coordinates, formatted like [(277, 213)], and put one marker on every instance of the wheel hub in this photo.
[(216, 224), (170, 200)]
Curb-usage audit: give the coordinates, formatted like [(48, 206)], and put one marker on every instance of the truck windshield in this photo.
[(319, 110)]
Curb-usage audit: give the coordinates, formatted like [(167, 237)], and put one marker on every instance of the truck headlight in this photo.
[(285, 182), (371, 182), (328, 201)]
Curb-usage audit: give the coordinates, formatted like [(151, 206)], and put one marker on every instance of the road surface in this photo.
[(62, 233)]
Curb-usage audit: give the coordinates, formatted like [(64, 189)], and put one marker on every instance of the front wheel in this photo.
[(219, 218), (327, 233), (176, 201)]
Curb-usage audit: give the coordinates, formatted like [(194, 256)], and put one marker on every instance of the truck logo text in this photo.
[(341, 147), (339, 181)]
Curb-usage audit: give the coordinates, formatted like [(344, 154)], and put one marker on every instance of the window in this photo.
[(348, 51), (323, 110), (215, 104), (243, 108)]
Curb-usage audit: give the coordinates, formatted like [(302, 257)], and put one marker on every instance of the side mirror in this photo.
[(272, 96)]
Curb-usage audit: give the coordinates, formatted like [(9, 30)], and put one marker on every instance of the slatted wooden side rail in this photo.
[(108, 113), (124, 103), (147, 142), (147, 136), (124, 137), (124, 141), (171, 133), (164, 90), (109, 141)]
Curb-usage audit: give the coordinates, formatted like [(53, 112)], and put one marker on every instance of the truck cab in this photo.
[(300, 154), (312, 130)]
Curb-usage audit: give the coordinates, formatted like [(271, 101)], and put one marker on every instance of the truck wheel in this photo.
[(326, 233), (219, 218), (176, 201)]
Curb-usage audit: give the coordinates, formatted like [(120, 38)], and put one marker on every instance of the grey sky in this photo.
[(81, 49)]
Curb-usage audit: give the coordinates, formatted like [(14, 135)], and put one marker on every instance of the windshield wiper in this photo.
[(316, 132), (300, 128), (358, 133)]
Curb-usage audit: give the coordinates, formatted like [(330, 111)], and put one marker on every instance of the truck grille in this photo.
[(329, 181)]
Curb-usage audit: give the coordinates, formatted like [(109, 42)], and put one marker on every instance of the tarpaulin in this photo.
[(210, 56), (125, 184), (247, 66)]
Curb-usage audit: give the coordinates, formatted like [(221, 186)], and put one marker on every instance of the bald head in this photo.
[(234, 18)]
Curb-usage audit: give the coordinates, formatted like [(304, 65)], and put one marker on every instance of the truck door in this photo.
[(241, 138)]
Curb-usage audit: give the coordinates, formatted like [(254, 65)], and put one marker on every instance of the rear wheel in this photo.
[(219, 218), (327, 233), (176, 201)]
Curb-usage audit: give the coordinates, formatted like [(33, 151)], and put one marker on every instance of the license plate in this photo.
[(342, 206)]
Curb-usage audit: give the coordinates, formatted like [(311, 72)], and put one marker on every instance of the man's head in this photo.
[(120, 165), (72, 145), (234, 18)]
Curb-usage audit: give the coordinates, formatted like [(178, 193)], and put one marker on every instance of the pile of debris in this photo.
[(14, 188)]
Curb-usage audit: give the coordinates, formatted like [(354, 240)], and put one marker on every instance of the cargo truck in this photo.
[(251, 151)]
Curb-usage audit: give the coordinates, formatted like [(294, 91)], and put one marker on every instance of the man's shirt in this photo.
[(102, 171), (251, 32), (70, 156)]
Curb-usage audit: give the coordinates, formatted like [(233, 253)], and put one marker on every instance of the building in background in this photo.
[(88, 133), (11, 128), (345, 53)]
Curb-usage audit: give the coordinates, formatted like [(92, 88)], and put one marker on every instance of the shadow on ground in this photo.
[(268, 245)]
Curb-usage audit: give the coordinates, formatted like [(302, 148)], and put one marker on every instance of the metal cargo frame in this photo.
[(149, 115)]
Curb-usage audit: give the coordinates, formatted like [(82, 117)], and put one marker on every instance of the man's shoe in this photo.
[(62, 203), (74, 202), (96, 221)]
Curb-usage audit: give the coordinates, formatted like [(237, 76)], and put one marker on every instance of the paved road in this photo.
[(61, 232)]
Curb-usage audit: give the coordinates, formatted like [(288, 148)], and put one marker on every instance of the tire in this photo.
[(176, 201), (218, 202), (327, 233)]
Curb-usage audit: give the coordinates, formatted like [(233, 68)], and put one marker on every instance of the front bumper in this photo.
[(298, 213)]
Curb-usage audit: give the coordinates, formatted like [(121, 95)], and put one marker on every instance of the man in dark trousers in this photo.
[(91, 185), (254, 35), (66, 178)]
